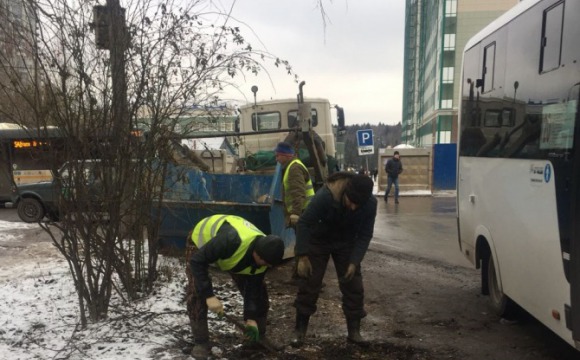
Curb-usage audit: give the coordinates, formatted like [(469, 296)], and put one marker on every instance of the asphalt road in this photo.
[(424, 227)]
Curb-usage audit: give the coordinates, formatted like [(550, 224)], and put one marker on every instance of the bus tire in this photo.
[(30, 210), (499, 302)]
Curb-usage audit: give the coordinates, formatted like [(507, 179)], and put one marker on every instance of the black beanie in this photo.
[(270, 248), (359, 189)]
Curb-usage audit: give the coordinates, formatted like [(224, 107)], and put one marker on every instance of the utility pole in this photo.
[(118, 44), (111, 34)]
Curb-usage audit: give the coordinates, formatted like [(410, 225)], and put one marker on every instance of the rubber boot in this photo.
[(264, 341), (201, 350), (300, 330), (354, 336)]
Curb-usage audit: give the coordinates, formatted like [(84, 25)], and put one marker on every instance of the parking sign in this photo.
[(364, 139)]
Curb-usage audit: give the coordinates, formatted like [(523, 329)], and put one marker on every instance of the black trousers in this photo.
[(352, 291), (197, 307)]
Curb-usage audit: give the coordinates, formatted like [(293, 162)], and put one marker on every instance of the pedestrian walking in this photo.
[(393, 168), (237, 246), (338, 223)]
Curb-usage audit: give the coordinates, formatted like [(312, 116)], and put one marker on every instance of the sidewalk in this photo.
[(438, 193)]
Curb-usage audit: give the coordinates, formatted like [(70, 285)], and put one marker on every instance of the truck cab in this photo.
[(282, 114), (266, 123)]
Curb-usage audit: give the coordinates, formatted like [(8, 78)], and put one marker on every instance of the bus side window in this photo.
[(553, 22)]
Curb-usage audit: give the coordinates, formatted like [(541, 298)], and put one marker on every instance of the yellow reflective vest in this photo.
[(309, 188), (207, 229)]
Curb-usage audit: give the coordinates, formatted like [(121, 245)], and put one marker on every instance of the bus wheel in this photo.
[(500, 303), (30, 210)]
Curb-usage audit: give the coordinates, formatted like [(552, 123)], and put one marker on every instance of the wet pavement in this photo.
[(423, 226)]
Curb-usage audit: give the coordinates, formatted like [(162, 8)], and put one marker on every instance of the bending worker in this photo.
[(338, 223), (237, 246)]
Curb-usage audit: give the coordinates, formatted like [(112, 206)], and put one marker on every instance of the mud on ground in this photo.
[(417, 309)]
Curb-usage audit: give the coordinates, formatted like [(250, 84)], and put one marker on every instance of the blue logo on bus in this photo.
[(547, 173)]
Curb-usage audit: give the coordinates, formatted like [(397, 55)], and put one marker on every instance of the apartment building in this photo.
[(17, 39), (436, 32)]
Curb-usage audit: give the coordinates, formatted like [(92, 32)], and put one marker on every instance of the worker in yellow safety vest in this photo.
[(297, 188), (237, 246)]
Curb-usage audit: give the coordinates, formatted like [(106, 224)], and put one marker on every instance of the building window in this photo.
[(447, 104), (448, 58), (450, 8), (553, 23), (488, 67), (448, 74), (444, 137), (449, 42)]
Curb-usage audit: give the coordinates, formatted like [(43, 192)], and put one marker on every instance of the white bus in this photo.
[(518, 185)]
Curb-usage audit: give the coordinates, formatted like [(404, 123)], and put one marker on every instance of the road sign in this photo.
[(364, 139)]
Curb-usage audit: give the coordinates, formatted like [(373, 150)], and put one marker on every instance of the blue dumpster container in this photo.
[(192, 195)]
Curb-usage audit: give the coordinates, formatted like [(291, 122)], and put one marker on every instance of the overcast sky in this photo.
[(356, 62)]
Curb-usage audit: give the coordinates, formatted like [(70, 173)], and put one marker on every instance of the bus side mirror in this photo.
[(479, 83)]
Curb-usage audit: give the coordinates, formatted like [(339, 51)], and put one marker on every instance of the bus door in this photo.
[(5, 173), (573, 313)]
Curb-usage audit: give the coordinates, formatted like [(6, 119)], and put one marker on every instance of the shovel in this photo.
[(240, 325)]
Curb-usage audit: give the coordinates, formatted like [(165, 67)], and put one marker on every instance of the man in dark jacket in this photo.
[(338, 222), (237, 246), (393, 167)]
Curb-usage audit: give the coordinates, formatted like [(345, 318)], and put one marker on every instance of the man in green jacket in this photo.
[(297, 188), (237, 246)]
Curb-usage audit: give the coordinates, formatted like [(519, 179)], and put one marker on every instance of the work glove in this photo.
[(215, 305), (349, 274), (251, 331), (294, 219), (304, 268)]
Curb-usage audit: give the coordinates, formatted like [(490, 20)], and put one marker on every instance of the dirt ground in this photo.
[(417, 309)]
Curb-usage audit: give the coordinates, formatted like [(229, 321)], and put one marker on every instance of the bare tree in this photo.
[(174, 54)]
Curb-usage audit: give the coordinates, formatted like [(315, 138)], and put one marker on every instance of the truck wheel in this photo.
[(30, 210), (499, 302)]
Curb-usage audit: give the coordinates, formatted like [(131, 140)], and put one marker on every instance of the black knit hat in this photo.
[(359, 189), (270, 248)]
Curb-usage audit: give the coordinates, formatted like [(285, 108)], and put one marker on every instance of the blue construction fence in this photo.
[(444, 167)]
